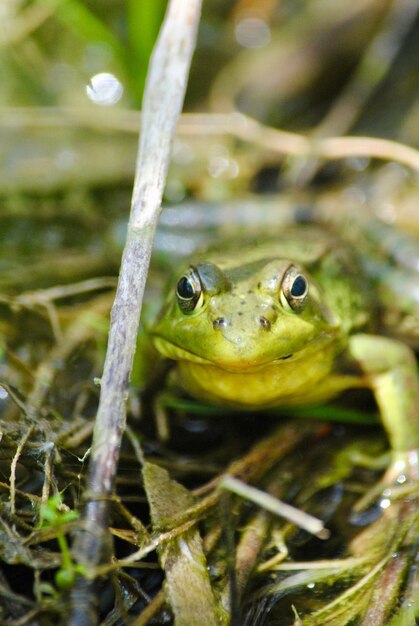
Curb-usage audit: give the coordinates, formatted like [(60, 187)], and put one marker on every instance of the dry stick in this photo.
[(218, 124), (265, 500), (150, 610), (372, 69), (13, 468), (329, 148), (162, 104)]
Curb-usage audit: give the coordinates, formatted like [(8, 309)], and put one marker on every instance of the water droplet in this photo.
[(222, 167), (386, 212), (175, 190), (359, 164), (3, 393), (104, 89), (354, 194), (311, 585), (66, 159), (385, 503), (183, 153), (252, 32)]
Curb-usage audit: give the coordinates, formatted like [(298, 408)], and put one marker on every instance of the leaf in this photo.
[(183, 560), (144, 20)]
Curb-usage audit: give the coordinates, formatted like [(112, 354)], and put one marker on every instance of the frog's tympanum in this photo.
[(288, 322)]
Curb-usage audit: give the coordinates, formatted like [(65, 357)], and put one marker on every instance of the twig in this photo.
[(13, 469), (60, 292), (150, 610), (251, 466), (163, 99), (373, 67), (28, 21), (76, 333), (302, 519), (154, 543), (218, 124), (331, 148)]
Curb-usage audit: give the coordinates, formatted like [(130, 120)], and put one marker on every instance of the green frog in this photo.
[(286, 321)]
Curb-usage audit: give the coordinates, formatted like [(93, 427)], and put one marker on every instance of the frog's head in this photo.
[(244, 316)]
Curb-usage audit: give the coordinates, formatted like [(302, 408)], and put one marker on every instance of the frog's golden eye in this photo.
[(189, 292), (294, 290)]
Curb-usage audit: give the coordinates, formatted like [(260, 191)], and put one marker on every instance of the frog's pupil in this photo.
[(185, 288), (299, 287)]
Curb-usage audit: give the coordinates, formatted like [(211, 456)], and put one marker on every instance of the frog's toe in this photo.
[(400, 479), (403, 469), (370, 461)]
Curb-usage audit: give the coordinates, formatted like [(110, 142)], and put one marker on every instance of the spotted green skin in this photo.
[(264, 353)]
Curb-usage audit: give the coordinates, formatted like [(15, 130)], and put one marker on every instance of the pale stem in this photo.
[(162, 104), (263, 499)]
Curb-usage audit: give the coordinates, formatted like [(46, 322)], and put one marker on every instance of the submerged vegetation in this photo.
[(275, 80)]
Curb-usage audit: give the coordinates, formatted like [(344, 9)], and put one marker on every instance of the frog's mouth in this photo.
[(176, 353), (172, 351)]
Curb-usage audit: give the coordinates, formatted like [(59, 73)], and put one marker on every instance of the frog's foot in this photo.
[(400, 479), (390, 370), (370, 461)]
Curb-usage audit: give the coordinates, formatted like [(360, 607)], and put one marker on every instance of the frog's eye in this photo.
[(294, 290), (189, 291)]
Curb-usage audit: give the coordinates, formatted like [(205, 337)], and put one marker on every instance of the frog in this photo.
[(290, 320)]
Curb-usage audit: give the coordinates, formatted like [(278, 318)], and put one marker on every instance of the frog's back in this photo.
[(389, 259)]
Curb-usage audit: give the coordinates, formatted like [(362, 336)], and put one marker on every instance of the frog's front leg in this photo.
[(391, 373), (151, 395)]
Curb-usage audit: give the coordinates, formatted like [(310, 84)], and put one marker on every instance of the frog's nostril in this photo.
[(264, 323), (219, 323)]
